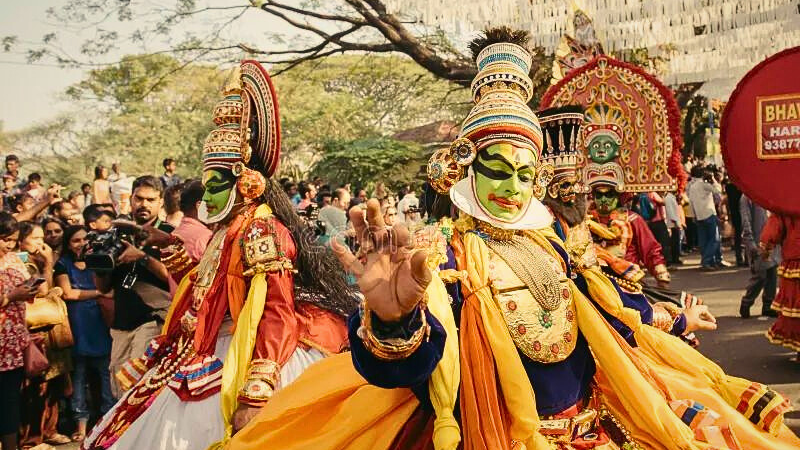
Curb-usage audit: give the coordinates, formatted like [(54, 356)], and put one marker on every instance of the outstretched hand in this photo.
[(698, 317), (393, 275)]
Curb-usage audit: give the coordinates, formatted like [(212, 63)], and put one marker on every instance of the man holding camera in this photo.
[(139, 282)]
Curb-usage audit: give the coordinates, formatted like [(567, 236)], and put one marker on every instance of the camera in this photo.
[(310, 216), (104, 247)]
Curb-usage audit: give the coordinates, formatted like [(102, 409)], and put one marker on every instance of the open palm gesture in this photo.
[(393, 275)]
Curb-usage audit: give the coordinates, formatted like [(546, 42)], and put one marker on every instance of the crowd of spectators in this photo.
[(67, 329), (330, 205)]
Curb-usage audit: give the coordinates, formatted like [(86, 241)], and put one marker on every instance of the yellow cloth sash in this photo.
[(183, 287), (240, 351), (515, 386), (446, 377)]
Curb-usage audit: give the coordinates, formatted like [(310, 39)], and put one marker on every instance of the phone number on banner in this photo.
[(782, 144)]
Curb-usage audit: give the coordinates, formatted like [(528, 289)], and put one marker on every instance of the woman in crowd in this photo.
[(101, 188), (41, 395), (14, 336), (53, 235), (92, 339), (40, 259)]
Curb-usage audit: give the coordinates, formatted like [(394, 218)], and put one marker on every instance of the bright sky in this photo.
[(32, 93), (29, 93)]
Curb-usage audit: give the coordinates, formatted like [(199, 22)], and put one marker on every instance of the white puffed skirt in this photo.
[(170, 423)]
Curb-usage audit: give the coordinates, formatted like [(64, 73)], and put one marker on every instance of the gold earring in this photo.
[(544, 175), (553, 190), (539, 192)]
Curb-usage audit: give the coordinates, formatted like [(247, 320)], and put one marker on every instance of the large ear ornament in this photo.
[(444, 171), (463, 151), (553, 190), (250, 183), (544, 175)]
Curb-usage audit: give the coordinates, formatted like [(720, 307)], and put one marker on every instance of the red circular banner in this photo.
[(761, 133)]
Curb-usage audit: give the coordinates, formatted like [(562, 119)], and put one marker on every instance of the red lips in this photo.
[(504, 202)]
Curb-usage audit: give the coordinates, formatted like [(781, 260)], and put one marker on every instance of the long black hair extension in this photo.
[(321, 279), (437, 205)]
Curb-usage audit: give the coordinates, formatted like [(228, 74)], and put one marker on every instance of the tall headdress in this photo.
[(602, 119), (500, 91), (561, 127), (608, 121), (617, 94), (247, 138)]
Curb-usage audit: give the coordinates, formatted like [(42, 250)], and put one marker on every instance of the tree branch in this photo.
[(292, 63), (305, 12), (459, 70)]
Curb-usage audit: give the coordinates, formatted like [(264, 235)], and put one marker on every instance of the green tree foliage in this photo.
[(347, 98), (130, 113), (133, 114), (151, 116), (363, 161), (56, 150)]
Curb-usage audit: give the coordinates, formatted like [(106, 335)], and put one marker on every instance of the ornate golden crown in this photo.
[(606, 120), (228, 144)]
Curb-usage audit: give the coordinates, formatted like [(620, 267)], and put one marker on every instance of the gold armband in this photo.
[(262, 378), (664, 315), (178, 260), (395, 348), (276, 265)]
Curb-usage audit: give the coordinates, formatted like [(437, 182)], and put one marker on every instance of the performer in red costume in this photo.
[(632, 238), (785, 231), (260, 306)]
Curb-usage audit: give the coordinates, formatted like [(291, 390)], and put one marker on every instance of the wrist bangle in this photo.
[(393, 349)]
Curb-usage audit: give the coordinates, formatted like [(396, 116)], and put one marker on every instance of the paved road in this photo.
[(738, 345)]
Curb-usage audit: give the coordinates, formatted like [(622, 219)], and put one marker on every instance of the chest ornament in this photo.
[(535, 299)]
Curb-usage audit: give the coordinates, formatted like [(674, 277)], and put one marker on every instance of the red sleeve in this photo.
[(773, 232), (269, 247), (648, 250), (278, 330)]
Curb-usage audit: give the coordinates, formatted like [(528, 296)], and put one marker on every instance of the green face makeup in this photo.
[(504, 180), (603, 149), (606, 199), (219, 187)]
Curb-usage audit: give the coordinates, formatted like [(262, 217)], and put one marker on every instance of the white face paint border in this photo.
[(202, 211), (463, 196)]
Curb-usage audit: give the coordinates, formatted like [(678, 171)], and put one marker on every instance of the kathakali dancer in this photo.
[(630, 143), (242, 324), (532, 363), (566, 200)]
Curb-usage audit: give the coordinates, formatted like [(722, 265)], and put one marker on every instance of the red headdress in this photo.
[(645, 112)]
